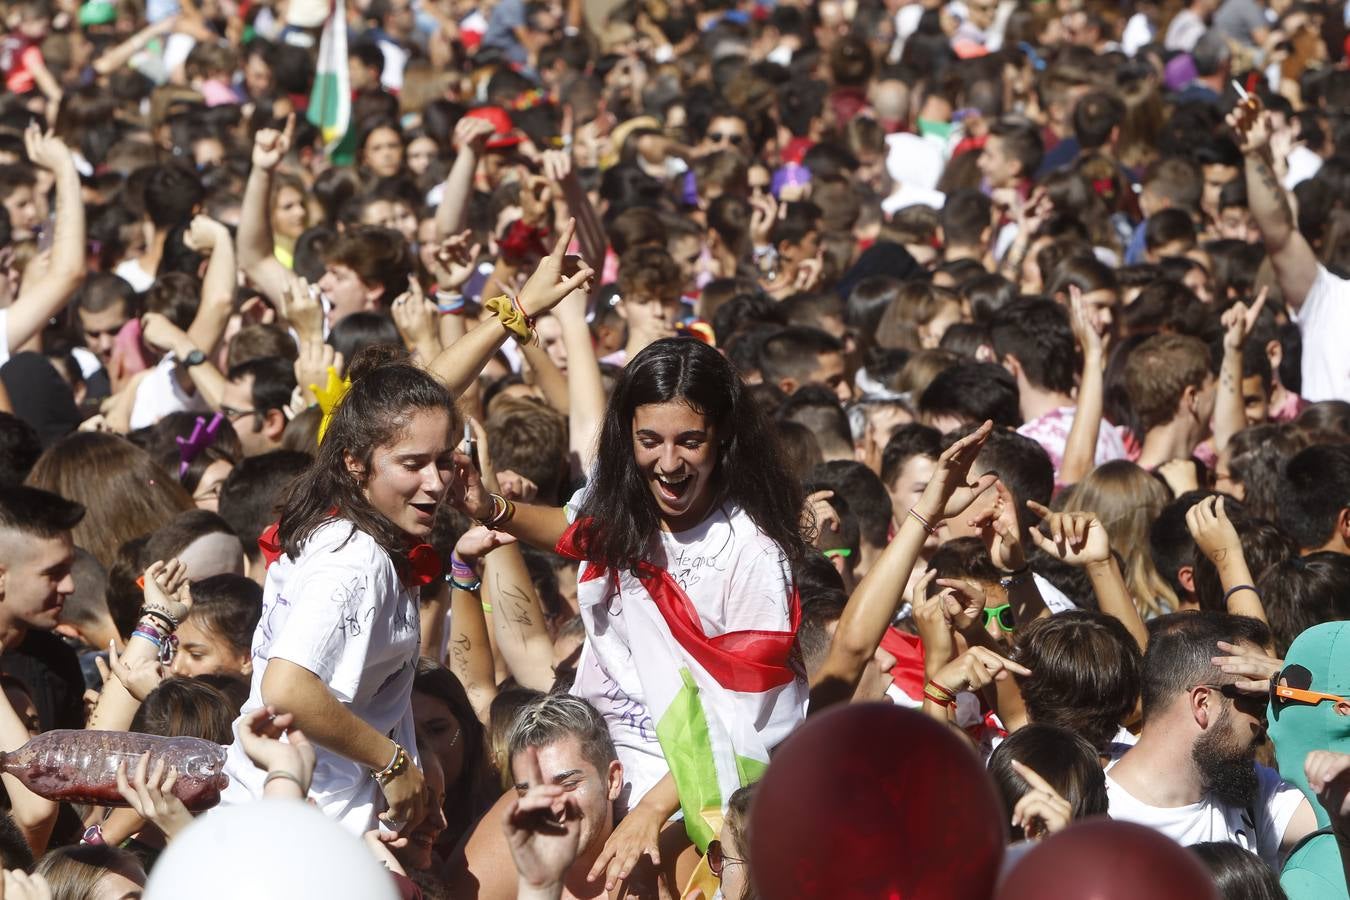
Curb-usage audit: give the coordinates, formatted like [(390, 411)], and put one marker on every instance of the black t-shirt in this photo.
[(51, 670)]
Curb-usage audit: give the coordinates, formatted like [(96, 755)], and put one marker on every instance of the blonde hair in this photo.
[(1127, 499)]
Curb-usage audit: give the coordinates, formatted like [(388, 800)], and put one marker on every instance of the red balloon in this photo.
[(877, 802), (1101, 859)]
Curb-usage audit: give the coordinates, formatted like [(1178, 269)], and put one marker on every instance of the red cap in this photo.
[(500, 119)]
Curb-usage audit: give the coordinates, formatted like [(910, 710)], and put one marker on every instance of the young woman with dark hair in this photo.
[(685, 536), (337, 642)]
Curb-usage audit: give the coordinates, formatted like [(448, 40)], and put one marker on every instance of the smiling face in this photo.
[(36, 578), (675, 449), (408, 478), (563, 763)]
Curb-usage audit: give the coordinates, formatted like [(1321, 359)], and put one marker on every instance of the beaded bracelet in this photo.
[(471, 587)]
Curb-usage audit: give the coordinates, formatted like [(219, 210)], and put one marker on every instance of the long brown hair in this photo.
[(125, 493), (386, 390), (1127, 499)]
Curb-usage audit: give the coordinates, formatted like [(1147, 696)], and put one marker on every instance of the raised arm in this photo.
[(208, 236), (42, 297), (470, 137), (469, 652), (1080, 449), (872, 605), (590, 231), (256, 246), (1216, 537), (116, 57), (158, 332), (1230, 415), (460, 363), (585, 388), (1291, 255), (1080, 539)]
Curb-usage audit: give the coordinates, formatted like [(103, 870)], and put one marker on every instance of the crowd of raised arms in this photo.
[(644, 448)]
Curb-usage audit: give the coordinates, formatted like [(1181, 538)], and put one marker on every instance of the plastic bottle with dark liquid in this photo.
[(81, 766)]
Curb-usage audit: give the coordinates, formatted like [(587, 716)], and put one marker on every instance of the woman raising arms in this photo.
[(337, 643), (685, 536)]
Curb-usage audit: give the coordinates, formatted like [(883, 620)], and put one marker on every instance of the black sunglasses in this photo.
[(717, 137)]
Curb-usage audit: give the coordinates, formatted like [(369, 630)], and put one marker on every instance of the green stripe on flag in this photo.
[(687, 745)]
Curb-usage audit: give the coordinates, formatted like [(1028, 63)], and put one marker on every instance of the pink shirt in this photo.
[(1051, 431)]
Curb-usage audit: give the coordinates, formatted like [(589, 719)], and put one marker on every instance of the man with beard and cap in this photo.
[(1311, 711), (1193, 774)]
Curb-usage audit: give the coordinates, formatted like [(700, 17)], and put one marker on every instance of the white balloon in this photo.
[(268, 850)]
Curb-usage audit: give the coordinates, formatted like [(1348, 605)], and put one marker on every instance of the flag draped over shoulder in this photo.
[(719, 704), (330, 102)]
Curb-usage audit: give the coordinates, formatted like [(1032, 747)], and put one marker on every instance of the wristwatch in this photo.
[(195, 358)]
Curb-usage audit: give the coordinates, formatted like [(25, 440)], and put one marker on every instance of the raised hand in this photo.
[(416, 318), (472, 133), (45, 149), (271, 146), (205, 234), (1087, 329), (1239, 320), (302, 307), (1041, 811), (158, 332), (819, 515), (543, 829), (547, 285), (951, 491), (312, 365), (1077, 538), (514, 486), (1253, 137), (933, 623), (454, 261), (1213, 531), (167, 589), (151, 795), (1002, 534), (964, 603)]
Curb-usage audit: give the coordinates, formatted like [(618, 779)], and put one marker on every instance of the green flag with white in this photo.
[(330, 102)]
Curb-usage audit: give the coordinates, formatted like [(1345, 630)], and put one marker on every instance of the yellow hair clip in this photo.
[(328, 397)]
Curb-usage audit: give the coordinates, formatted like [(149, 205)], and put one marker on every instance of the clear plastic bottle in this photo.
[(81, 766)]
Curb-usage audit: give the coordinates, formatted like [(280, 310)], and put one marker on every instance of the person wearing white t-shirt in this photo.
[(684, 535), (337, 643), (1318, 300), (1193, 773)]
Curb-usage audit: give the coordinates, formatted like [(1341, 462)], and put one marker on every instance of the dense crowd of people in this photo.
[(668, 449)]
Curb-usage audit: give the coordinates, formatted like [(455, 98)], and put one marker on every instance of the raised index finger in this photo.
[(564, 239), (1030, 777), (534, 775)]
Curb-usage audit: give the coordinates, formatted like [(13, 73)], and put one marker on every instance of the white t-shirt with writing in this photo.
[(340, 611), (1324, 322), (1258, 828)]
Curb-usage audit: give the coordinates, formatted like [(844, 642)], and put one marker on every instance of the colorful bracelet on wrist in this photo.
[(449, 303), (940, 695)]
